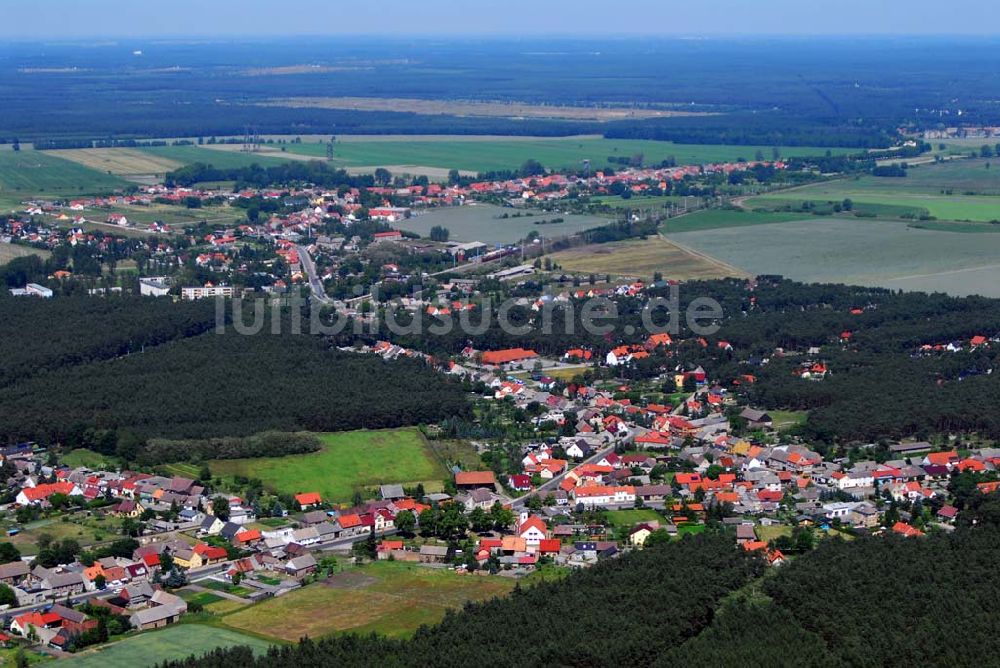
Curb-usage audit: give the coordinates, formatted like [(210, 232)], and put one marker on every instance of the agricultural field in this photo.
[(476, 108), (390, 598), (25, 174), (861, 252), (128, 163), (644, 203), (955, 190), (169, 644), (493, 154), (10, 251), (349, 461), (642, 258), (710, 219), (223, 159), (485, 222)]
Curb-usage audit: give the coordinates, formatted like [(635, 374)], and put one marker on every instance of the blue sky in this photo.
[(73, 19)]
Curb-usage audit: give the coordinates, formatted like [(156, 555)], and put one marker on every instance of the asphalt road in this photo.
[(316, 285)]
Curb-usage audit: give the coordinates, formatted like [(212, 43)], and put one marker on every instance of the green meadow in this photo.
[(956, 190), (349, 461), (499, 153)]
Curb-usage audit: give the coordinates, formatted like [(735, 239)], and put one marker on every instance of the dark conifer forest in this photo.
[(700, 601)]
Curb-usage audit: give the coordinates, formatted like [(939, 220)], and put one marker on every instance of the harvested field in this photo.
[(478, 108), (126, 162), (642, 258)]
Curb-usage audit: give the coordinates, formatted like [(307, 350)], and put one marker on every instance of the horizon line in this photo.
[(498, 36)]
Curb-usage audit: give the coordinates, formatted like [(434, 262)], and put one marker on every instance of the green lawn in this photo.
[(786, 419), (86, 458), (35, 173), (628, 518), (347, 462), (391, 598), (217, 585), (201, 597), (767, 534), (498, 153), (172, 643)]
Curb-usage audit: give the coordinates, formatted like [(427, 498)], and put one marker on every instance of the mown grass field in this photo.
[(10, 251), (26, 173), (498, 153), (640, 258), (154, 647), (390, 598), (349, 461)]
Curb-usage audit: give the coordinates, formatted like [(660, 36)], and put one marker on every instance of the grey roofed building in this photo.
[(299, 564), (229, 530), (910, 447), (755, 416), (14, 570), (326, 530), (392, 492), (138, 592), (434, 551), (72, 615), (315, 517), (165, 609)]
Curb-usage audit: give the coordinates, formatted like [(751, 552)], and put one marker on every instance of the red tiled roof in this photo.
[(484, 478), (308, 498)]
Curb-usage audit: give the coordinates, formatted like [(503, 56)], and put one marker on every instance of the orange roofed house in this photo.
[(474, 479), (308, 499), (498, 357)]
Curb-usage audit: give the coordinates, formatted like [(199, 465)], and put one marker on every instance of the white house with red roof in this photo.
[(533, 530), (36, 495)]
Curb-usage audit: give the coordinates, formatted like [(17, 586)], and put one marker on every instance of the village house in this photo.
[(164, 609)]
